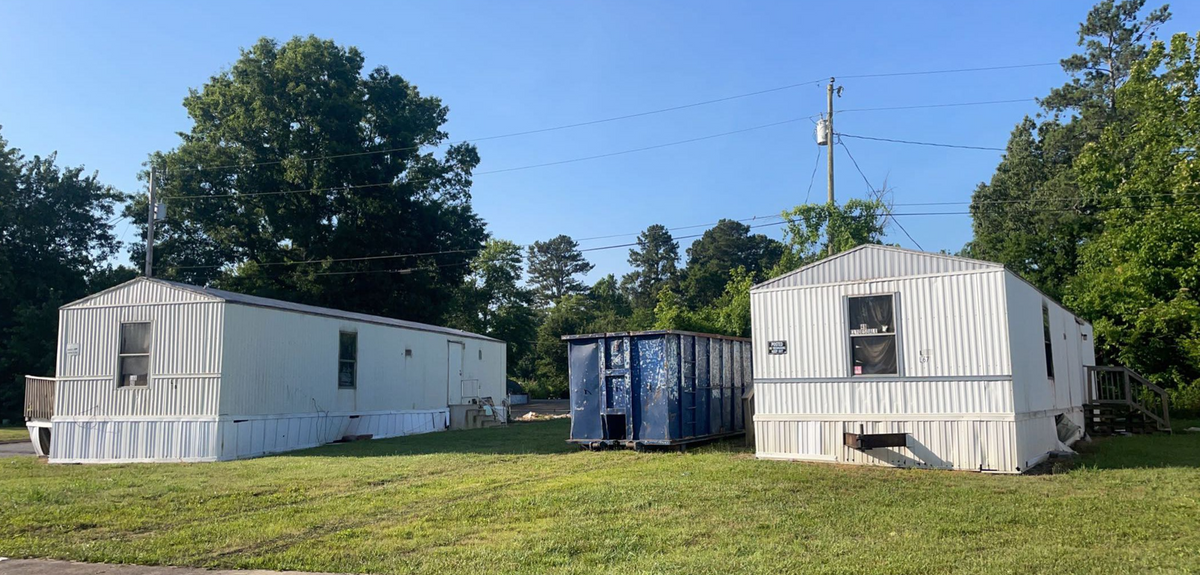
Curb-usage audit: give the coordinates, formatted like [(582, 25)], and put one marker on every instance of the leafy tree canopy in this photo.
[(1031, 215), (722, 249), (1139, 279), (55, 237), (295, 156)]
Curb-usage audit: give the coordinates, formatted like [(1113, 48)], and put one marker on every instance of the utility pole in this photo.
[(829, 151), (150, 227), (829, 139)]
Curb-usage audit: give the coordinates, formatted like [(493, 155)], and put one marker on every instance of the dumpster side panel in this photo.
[(584, 361), (652, 416), (703, 381)]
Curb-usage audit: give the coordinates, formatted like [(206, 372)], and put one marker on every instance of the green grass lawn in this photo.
[(520, 500), (13, 434)]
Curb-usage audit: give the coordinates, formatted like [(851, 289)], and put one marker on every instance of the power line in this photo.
[(688, 227), (620, 117), (813, 177), (487, 172), (879, 196), (948, 105), (918, 143), (949, 71)]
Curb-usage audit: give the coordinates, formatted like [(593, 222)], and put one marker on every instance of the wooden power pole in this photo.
[(829, 153), (829, 138)]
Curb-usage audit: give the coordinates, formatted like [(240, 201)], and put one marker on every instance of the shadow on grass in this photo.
[(1181, 449), (520, 438), (523, 438)]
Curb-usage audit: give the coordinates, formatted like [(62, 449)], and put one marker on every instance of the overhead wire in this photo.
[(624, 116), (879, 196), (487, 172), (945, 105), (915, 143)]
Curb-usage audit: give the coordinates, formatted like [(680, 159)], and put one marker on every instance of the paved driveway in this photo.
[(16, 448)]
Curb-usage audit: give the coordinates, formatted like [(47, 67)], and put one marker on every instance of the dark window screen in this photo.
[(872, 329), (133, 355), (1049, 342), (347, 358), (871, 315)]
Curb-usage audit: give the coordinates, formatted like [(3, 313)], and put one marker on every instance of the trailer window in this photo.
[(347, 358), (133, 355), (1049, 342), (872, 328)]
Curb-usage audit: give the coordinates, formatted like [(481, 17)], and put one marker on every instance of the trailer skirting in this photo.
[(227, 437)]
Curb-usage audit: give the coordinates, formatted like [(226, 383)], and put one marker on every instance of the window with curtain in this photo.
[(133, 355), (872, 326), (347, 358)]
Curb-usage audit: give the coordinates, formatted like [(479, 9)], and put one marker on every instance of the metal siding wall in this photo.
[(958, 319), (877, 262), (142, 292), (123, 441), (165, 396), (894, 397), (1034, 391), (283, 362), (185, 360), (276, 434), (964, 445)]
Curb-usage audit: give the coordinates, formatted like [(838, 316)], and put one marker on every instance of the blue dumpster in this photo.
[(656, 388)]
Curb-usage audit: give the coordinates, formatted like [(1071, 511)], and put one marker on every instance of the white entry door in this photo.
[(454, 372)]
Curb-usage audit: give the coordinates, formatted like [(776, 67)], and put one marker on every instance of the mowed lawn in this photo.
[(8, 433), (520, 500)]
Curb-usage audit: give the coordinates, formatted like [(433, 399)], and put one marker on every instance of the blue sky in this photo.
[(103, 83)]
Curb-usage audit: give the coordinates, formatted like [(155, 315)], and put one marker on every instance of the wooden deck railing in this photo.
[(1116, 385), (39, 397)]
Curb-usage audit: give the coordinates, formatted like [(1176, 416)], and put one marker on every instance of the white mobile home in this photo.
[(886, 356), (153, 370)]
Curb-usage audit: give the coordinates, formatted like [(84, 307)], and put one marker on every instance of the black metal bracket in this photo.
[(863, 441)]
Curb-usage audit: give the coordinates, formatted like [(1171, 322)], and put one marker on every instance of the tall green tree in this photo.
[(554, 267), (722, 249), (655, 263), (812, 229), (55, 238), (1139, 280), (1031, 215), (296, 163), (492, 301)]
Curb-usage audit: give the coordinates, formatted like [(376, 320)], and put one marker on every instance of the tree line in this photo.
[(304, 178)]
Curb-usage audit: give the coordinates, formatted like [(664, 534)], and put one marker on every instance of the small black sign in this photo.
[(776, 347)]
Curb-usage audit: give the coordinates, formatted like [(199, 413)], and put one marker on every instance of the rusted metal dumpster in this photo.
[(656, 388)]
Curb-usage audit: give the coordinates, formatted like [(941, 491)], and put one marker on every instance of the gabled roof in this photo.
[(870, 261), (153, 290)]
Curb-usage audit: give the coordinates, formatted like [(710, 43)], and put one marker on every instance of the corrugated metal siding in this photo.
[(261, 436), (126, 441), (884, 397), (873, 262), (182, 396), (1033, 388), (964, 445), (282, 362), (141, 292), (951, 325), (185, 338)]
